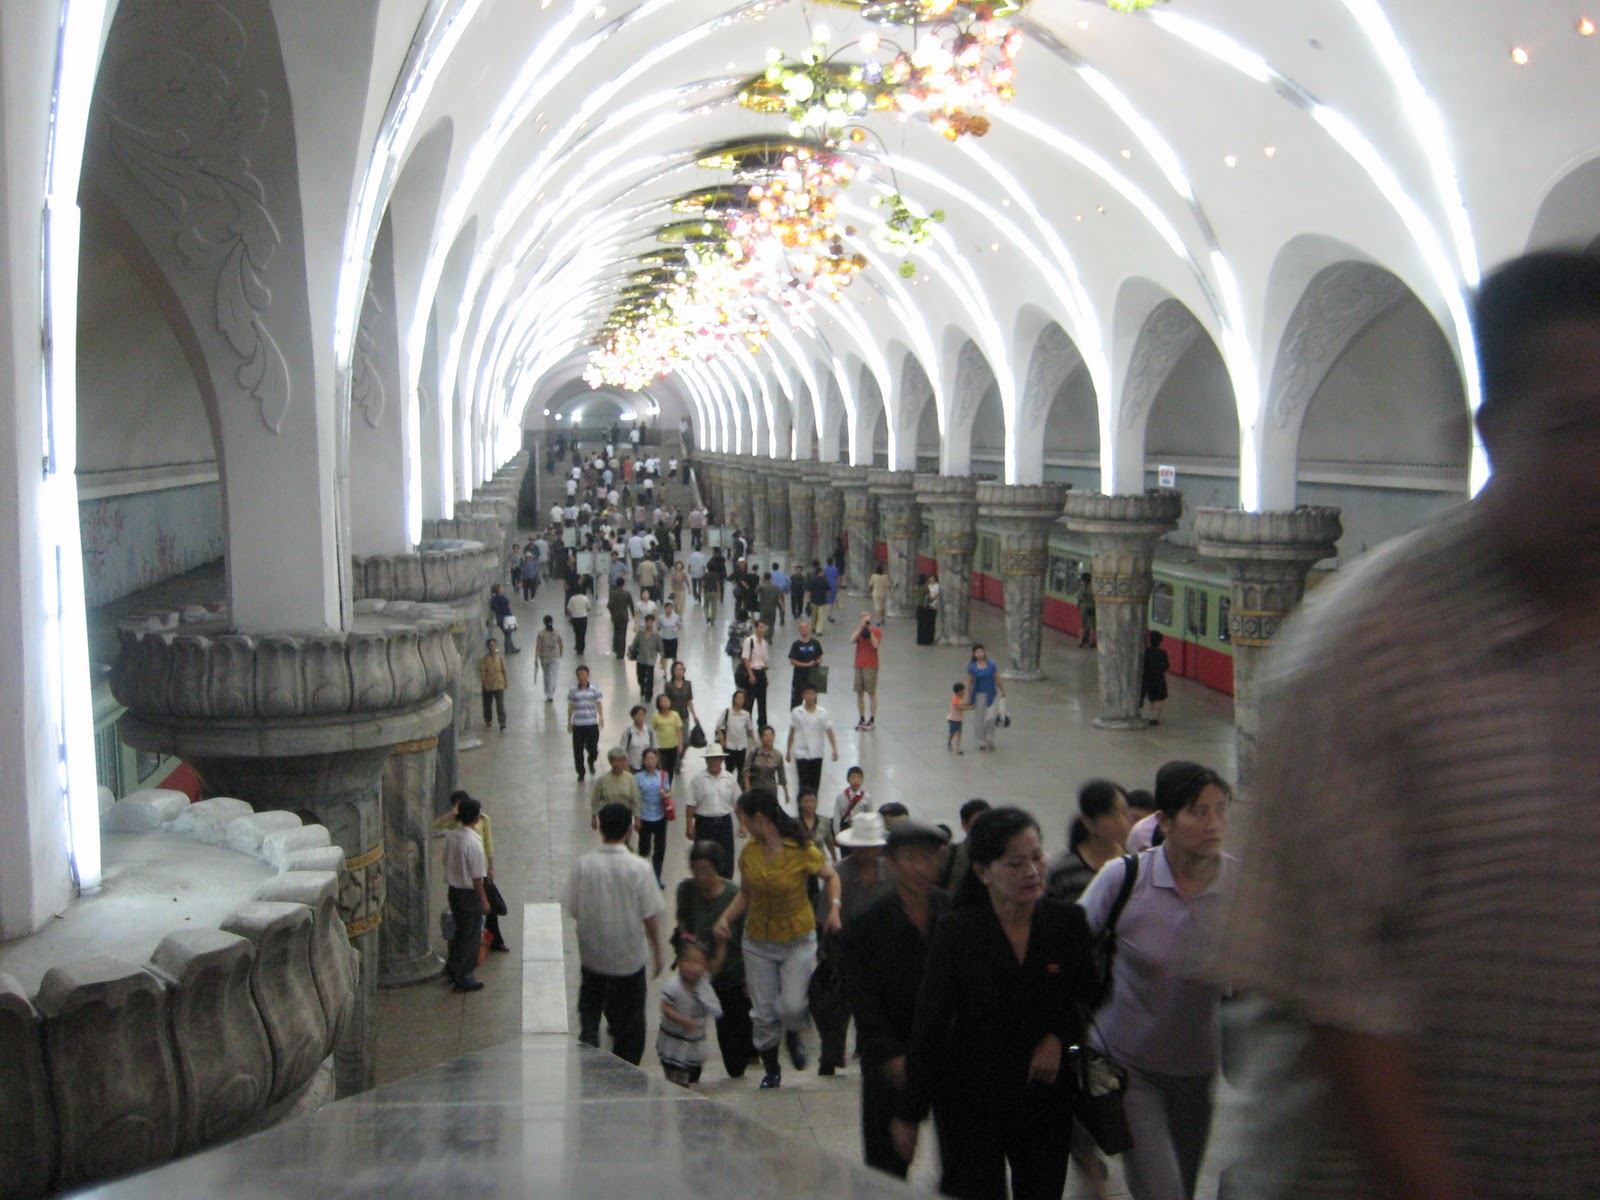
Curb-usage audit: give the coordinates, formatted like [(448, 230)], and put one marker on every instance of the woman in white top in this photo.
[(736, 733), (669, 626)]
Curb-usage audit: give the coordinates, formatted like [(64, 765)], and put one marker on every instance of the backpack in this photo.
[(1103, 952)]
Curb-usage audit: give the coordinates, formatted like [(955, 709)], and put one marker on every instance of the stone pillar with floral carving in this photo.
[(759, 522), (303, 722), (900, 525), (951, 502), (455, 574), (1267, 556), (860, 524), (827, 506), (779, 472), (1023, 515), (802, 525), (1123, 532)]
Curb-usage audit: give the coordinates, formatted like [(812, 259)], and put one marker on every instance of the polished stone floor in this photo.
[(525, 778), (539, 1118)]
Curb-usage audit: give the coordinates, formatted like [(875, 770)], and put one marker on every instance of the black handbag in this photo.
[(1100, 1090), (697, 737), (497, 902)]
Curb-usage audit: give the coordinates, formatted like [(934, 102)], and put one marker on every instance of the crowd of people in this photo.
[(1403, 954)]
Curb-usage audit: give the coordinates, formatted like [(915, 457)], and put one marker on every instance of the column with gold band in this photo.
[(1023, 515), (860, 524), (1122, 531), (900, 525), (1268, 556), (801, 510), (951, 503)]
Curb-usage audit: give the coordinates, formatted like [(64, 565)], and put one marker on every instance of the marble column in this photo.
[(405, 942), (454, 574), (951, 502), (1268, 556), (801, 516), (758, 505), (900, 523), (860, 524), (305, 723), (739, 502), (827, 507), (777, 481), (1023, 515), (1123, 532)]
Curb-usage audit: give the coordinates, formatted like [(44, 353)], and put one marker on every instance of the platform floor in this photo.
[(525, 778)]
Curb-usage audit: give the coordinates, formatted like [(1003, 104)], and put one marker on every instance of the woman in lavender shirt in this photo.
[(1161, 1021)]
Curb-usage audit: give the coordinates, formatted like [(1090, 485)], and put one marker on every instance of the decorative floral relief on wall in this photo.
[(137, 541)]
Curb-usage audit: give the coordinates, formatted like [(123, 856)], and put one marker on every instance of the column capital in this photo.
[(892, 485), (1150, 514), (1268, 556)]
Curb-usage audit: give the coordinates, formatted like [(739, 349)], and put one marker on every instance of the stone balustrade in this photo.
[(113, 1066)]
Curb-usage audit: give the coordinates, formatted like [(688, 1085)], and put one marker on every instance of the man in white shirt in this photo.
[(556, 514), (810, 733), (465, 866), (635, 548), (697, 570), (578, 613), (709, 812), (753, 654), (696, 521), (613, 896), (572, 487)]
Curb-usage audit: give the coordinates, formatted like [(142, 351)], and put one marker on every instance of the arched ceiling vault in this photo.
[(1190, 147)]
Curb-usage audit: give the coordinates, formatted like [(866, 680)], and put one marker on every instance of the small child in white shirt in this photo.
[(687, 1004)]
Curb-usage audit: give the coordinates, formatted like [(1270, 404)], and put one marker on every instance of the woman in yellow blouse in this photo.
[(668, 726), (780, 928)]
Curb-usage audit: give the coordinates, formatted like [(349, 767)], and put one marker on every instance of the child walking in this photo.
[(688, 1005), (955, 719)]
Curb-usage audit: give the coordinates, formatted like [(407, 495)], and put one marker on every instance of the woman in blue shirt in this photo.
[(985, 690), (655, 789)]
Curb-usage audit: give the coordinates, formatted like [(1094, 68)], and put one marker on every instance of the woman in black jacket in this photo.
[(1007, 980)]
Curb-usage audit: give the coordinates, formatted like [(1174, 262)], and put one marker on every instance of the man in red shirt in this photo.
[(867, 638)]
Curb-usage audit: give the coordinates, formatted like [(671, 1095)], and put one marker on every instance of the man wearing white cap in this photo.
[(863, 880)]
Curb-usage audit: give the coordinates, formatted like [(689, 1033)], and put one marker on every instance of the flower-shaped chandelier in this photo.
[(773, 238)]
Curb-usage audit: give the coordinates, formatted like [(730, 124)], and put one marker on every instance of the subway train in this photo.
[(1188, 607)]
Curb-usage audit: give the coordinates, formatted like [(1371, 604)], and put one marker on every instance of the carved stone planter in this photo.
[(302, 724)]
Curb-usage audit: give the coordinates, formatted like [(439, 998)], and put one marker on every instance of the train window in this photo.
[(1063, 577), (1161, 605), (1223, 605), (1195, 611)]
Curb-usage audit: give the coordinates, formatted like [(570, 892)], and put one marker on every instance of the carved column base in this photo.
[(860, 525), (1268, 556), (302, 723), (1023, 515), (1123, 531), (951, 501), (900, 523)]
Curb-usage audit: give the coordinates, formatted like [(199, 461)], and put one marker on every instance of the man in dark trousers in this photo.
[(613, 896), (620, 605), (886, 950), (465, 866)]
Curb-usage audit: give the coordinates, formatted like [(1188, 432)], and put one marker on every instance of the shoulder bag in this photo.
[(697, 737), (1100, 1086)]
